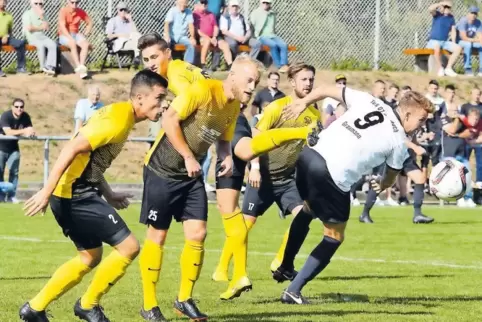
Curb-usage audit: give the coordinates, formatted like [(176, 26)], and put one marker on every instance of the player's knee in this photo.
[(335, 231), (129, 247), (418, 177), (296, 210), (91, 258), (157, 236), (195, 232), (251, 219)]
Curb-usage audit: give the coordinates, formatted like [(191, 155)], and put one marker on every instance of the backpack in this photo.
[(228, 18)]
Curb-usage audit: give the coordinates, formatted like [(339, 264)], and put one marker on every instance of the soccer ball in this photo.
[(450, 180)]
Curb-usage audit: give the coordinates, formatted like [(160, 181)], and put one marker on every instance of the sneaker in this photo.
[(220, 276), (293, 298), (23, 71), (188, 308), (355, 202), (209, 188), (450, 72), (441, 72), (461, 203), (281, 274), (422, 219), (49, 71), (153, 315), (28, 314), (469, 73), (242, 285), (469, 203), (391, 202), (13, 200), (243, 188), (379, 202), (83, 75), (403, 201), (96, 314), (365, 218), (2, 74)]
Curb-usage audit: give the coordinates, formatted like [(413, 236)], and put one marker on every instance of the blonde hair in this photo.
[(244, 58), (416, 100)]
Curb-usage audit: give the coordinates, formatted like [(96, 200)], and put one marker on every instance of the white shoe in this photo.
[(355, 202), (14, 200), (441, 72), (469, 203), (83, 75), (209, 188), (391, 202), (461, 203), (450, 72), (243, 189), (380, 202)]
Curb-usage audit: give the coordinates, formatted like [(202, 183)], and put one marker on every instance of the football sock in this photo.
[(236, 234), (110, 270), (418, 195), (371, 199), (282, 248), (316, 262), (191, 263), (268, 140), (65, 277), (297, 234), (150, 262), (249, 225)]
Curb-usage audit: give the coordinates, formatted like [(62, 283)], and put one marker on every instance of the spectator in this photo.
[(237, 31), (378, 89), (87, 106), (6, 188), (263, 20), (434, 96), (268, 94), (179, 29), (449, 103), (15, 122), (6, 25), (216, 7), (70, 18), (34, 27), (392, 94), (123, 31), (443, 26), (339, 110), (330, 104), (470, 33), (208, 31), (473, 103)]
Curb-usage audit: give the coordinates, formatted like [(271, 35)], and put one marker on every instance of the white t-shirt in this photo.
[(329, 105), (367, 135)]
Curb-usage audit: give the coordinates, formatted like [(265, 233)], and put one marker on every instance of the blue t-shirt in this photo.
[(441, 26), (215, 6), (470, 28)]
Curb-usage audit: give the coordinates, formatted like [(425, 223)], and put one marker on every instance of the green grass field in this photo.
[(390, 271)]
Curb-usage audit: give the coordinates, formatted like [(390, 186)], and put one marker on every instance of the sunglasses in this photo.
[(123, 10), (18, 106), (342, 83), (38, 3)]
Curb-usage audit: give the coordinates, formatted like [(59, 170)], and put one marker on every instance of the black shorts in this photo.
[(164, 199), (257, 201), (233, 182), (434, 153), (88, 220), (326, 200), (410, 164)]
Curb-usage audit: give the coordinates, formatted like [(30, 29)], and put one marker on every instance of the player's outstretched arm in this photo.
[(293, 110)]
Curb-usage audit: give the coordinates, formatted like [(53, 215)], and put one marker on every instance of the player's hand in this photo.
[(254, 178), (5, 40), (119, 200), (37, 203), (375, 184), (226, 167), (292, 111), (192, 40), (419, 150), (192, 166)]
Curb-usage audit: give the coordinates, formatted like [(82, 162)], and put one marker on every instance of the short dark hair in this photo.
[(152, 39), (273, 73), (379, 81), (433, 82), (298, 67), (393, 85), (450, 86), (406, 88), (474, 110), (18, 100), (147, 78)]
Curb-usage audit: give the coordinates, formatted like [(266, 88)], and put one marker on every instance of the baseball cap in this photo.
[(268, 1), (474, 9), (234, 3), (340, 77), (121, 5)]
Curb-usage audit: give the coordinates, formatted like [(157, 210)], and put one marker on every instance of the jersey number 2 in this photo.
[(370, 119)]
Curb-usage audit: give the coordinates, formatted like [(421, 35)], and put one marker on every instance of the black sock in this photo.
[(317, 261), (418, 195), (371, 199), (298, 231)]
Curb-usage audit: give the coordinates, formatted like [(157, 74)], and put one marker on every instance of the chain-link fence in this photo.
[(328, 33)]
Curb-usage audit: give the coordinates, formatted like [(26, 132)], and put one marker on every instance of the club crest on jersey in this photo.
[(229, 120), (307, 120)]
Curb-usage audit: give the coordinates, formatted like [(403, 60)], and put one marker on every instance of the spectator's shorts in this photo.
[(447, 45), (77, 37)]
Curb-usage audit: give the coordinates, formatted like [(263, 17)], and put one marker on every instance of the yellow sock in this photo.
[(271, 139), (150, 262), (110, 270), (191, 263), (236, 234), (281, 251), (226, 255), (249, 225), (65, 277)]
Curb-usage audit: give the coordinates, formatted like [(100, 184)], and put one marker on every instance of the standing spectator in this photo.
[(329, 104), (123, 31), (392, 94), (405, 89), (6, 25), (470, 33), (179, 29), (208, 31), (263, 20), (87, 106), (35, 26), (449, 103), (70, 18), (378, 89), (15, 122), (443, 36), (268, 94), (433, 95), (474, 104), (237, 31)]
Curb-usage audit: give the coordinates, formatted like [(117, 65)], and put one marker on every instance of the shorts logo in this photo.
[(307, 120), (250, 206), (152, 215), (111, 217)]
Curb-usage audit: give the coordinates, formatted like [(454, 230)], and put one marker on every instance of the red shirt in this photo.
[(72, 18), (205, 21), (474, 130)]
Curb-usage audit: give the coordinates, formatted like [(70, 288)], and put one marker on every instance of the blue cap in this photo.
[(474, 9)]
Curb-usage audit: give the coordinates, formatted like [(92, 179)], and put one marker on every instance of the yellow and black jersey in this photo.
[(280, 163), (181, 75), (107, 131), (206, 116)]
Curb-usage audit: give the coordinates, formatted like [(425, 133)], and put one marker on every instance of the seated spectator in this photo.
[(268, 94), (207, 31), (6, 26), (264, 21), (87, 106), (6, 188), (123, 31), (237, 31), (217, 7), (443, 36), (329, 104), (179, 29), (470, 35), (70, 36), (392, 94), (35, 26)]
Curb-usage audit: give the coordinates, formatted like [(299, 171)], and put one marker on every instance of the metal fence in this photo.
[(368, 32)]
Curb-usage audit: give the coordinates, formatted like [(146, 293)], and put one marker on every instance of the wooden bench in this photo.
[(424, 60)]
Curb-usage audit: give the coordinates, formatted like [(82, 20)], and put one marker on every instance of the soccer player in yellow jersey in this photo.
[(271, 177), (75, 188)]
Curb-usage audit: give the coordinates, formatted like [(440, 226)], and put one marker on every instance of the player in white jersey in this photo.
[(369, 134)]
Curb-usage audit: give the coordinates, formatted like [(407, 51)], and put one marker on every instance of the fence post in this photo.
[(46, 161), (376, 43), (109, 8)]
